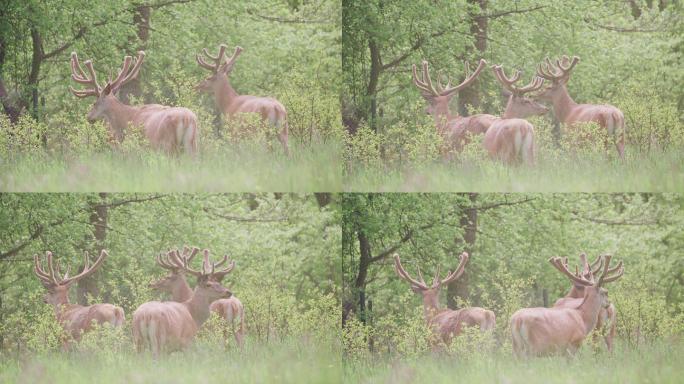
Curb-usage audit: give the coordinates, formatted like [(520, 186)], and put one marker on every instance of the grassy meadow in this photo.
[(238, 168), (656, 363)]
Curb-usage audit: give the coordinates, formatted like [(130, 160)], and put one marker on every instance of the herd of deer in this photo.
[(510, 138), (173, 129), (534, 331), (158, 326)]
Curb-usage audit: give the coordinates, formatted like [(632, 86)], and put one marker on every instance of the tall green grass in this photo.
[(288, 361), (638, 172), (655, 363), (248, 167)]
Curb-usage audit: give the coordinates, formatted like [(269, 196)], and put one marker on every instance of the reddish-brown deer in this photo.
[(567, 111), (453, 128), (175, 284), (543, 331), (75, 319), (168, 326), (230, 103), (511, 139), (171, 129), (607, 320), (446, 323)]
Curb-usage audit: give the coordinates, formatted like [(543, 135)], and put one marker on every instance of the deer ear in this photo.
[(416, 289), (107, 89)]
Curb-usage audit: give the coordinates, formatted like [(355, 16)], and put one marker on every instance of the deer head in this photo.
[(219, 69), (586, 279), (57, 284), (557, 74), (175, 281), (105, 98), (438, 98), (518, 105), (208, 285), (430, 293)]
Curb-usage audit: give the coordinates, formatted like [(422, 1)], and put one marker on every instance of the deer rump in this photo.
[(78, 319), (510, 140), (171, 129), (229, 309), (546, 331), (450, 323), (607, 116), (163, 325)]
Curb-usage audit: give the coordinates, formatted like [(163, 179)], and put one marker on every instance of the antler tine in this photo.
[(79, 76), (612, 276), (558, 264), (436, 280), (596, 266), (126, 75), (567, 68), (469, 78), (184, 263), (427, 80), (87, 268), (228, 66), (219, 274), (421, 84), (166, 264), (399, 269), (40, 272), (52, 269), (606, 267), (204, 64), (464, 257), (209, 55), (507, 82)]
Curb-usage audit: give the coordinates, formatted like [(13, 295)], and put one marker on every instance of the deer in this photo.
[(230, 309), (445, 323), (511, 138), (545, 331), (607, 320), (570, 113), (169, 326), (75, 319), (170, 129), (230, 103), (454, 129)]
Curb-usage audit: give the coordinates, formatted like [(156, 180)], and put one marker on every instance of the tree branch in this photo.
[(504, 203), (129, 201), (247, 219), (506, 13), (36, 233)]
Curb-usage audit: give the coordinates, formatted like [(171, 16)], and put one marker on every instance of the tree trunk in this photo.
[(374, 78), (468, 223), (470, 96), (323, 199), (98, 219), (364, 264), (141, 19)]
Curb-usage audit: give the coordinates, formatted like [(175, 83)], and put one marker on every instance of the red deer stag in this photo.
[(171, 129), (446, 323), (452, 127), (230, 103), (511, 139), (75, 319), (168, 326), (568, 112), (231, 309), (543, 331), (607, 319)]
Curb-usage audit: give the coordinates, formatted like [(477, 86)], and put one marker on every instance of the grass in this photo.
[(655, 172), (247, 168), (657, 363), (290, 361)]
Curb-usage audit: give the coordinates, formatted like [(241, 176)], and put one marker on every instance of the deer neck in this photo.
[(430, 307), (118, 115), (574, 293), (589, 309), (198, 306), (562, 103), (509, 112), (224, 94), (181, 292)]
